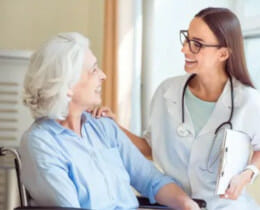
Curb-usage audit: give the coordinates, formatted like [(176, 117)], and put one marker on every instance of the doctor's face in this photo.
[(207, 58), (87, 91)]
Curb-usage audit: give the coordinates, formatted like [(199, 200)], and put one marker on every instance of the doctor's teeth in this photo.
[(189, 60)]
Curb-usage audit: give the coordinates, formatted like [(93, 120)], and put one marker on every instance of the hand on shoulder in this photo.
[(103, 111)]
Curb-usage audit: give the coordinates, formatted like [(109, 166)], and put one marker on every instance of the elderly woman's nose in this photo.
[(103, 76)]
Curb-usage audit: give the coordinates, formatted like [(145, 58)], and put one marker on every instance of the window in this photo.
[(249, 16), (252, 49)]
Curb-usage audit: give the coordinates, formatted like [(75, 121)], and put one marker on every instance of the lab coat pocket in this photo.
[(210, 169), (173, 113), (171, 107), (211, 160)]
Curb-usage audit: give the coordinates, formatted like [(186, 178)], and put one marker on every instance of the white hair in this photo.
[(53, 70)]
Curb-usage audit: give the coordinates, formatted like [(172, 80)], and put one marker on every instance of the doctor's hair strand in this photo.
[(226, 27)]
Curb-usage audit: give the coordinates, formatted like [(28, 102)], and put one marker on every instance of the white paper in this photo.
[(236, 152)]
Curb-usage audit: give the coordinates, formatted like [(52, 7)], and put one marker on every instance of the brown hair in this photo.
[(226, 27)]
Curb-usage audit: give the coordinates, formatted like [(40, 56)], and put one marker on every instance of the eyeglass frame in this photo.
[(182, 32)]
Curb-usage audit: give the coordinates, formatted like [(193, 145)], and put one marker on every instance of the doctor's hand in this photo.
[(103, 111), (237, 184)]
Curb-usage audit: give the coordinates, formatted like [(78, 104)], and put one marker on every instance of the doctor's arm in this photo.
[(240, 181), (138, 141)]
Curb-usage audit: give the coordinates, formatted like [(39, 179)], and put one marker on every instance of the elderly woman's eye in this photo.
[(94, 69)]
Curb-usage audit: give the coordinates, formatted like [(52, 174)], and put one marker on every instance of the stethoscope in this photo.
[(182, 129)]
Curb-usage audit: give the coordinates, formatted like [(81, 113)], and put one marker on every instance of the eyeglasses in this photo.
[(194, 45)]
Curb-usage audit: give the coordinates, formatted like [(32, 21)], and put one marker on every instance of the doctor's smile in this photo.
[(189, 63)]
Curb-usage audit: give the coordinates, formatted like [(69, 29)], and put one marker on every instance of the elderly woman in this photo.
[(71, 159)]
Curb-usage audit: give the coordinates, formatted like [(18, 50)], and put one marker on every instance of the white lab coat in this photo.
[(185, 158)]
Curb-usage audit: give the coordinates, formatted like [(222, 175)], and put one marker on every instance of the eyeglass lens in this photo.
[(193, 45)]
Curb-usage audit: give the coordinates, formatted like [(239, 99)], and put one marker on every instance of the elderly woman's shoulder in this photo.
[(39, 132), (102, 124), (105, 127)]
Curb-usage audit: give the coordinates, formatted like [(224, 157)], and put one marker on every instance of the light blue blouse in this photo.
[(60, 168), (199, 110)]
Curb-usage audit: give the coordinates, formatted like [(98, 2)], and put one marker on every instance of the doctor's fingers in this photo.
[(94, 112), (233, 196), (97, 111), (103, 111), (233, 191)]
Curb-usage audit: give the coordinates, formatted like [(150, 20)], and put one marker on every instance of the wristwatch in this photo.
[(255, 172)]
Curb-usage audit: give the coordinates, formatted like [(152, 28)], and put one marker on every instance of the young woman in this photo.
[(190, 113)]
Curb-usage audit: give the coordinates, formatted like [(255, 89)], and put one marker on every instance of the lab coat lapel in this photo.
[(222, 108), (173, 97)]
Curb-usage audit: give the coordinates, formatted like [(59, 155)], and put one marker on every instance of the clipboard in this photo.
[(235, 155)]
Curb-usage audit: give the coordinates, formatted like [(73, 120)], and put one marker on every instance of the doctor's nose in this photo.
[(185, 48)]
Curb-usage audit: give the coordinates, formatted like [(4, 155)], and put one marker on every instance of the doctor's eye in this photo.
[(196, 44)]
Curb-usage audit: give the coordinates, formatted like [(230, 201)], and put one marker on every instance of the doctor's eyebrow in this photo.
[(197, 39)]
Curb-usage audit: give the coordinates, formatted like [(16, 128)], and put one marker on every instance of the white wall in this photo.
[(129, 63), (25, 24)]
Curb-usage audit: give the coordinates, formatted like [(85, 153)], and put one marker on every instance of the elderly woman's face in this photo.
[(87, 92)]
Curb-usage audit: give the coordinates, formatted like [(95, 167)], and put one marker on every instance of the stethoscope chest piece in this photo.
[(182, 130)]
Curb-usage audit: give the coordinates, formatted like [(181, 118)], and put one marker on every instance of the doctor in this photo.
[(189, 113)]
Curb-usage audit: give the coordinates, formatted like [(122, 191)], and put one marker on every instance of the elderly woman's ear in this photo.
[(70, 93)]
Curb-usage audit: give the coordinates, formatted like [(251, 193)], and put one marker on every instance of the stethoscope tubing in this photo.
[(228, 122)]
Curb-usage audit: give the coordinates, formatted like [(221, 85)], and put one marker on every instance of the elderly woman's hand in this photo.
[(103, 111), (237, 184)]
